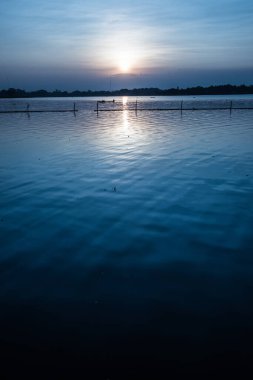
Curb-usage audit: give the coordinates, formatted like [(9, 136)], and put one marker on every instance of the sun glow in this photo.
[(124, 67), (125, 62)]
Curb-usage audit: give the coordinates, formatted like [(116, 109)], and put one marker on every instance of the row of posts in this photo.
[(135, 108), (28, 108)]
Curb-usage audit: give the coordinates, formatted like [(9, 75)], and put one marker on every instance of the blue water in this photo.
[(126, 239)]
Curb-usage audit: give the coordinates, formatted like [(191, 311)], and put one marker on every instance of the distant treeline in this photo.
[(212, 90)]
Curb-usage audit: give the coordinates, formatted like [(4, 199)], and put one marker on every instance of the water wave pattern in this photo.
[(131, 228)]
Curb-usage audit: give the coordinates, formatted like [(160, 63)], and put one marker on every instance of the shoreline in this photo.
[(192, 91)]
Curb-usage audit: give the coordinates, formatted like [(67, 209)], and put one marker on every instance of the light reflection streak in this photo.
[(124, 100), (125, 120)]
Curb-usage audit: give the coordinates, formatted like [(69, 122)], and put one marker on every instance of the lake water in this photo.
[(126, 238)]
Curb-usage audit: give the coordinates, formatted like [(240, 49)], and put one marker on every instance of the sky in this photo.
[(112, 44)]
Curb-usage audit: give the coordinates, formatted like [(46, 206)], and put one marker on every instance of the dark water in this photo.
[(126, 242)]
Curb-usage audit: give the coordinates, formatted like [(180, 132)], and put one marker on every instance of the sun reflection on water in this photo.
[(125, 120), (124, 100), (125, 113)]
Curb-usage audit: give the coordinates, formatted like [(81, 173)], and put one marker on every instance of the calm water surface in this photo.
[(126, 239)]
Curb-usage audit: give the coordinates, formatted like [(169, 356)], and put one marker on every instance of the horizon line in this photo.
[(225, 89), (178, 88)]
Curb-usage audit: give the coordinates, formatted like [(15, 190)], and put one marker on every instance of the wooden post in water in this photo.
[(74, 107), (27, 107), (97, 106), (136, 106), (181, 107), (231, 107)]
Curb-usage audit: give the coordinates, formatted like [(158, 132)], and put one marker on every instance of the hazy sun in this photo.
[(125, 67), (125, 62)]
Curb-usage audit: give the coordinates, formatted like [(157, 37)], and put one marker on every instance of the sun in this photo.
[(125, 67), (125, 62)]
